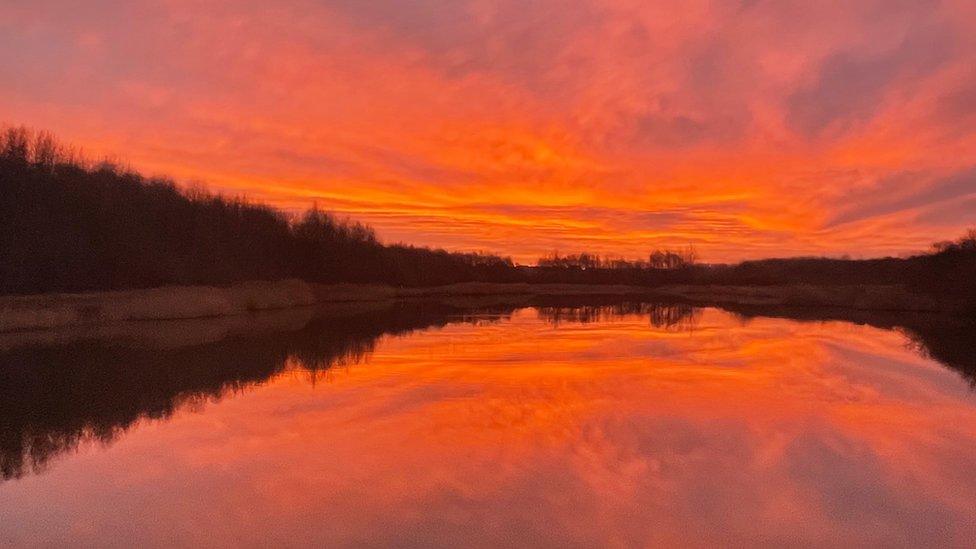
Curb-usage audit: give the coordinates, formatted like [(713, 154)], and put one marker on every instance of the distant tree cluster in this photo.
[(67, 224), (658, 259), (966, 243)]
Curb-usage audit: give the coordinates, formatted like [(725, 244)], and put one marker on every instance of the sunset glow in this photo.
[(746, 128)]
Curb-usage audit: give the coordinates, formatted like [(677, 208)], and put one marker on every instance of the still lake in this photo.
[(620, 425)]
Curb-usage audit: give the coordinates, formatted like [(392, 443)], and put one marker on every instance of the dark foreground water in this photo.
[(441, 425)]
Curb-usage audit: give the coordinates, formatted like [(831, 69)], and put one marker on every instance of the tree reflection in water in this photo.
[(55, 396)]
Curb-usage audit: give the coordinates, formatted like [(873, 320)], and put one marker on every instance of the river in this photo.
[(541, 424)]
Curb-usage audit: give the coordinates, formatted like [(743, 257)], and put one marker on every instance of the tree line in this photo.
[(68, 224)]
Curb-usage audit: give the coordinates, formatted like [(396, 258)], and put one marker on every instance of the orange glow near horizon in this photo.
[(747, 129)]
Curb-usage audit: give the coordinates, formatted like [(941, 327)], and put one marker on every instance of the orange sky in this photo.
[(747, 128)]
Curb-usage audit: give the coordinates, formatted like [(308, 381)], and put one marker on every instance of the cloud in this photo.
[(850, 86), (748, 128), (889, 196)]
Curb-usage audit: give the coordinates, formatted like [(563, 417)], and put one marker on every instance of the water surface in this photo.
[(436, 425)]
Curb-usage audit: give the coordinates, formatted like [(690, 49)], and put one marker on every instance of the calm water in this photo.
[(435, 425)]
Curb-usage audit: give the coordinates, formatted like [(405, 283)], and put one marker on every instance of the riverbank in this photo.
[(36, 312), (47, 311)]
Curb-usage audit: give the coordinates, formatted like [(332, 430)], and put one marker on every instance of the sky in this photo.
[(745, 128)]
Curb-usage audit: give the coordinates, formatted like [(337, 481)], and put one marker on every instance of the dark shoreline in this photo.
[(40, 312)]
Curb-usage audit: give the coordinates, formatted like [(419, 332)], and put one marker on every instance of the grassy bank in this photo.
[(185, 302)]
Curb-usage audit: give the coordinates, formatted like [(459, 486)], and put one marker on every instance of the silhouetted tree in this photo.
[(67, 224)]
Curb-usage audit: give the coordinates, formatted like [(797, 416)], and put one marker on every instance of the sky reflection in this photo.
[(520, 431)]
